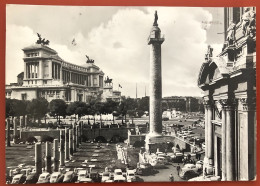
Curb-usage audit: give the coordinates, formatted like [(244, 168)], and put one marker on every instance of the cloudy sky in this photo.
[(116, 38)]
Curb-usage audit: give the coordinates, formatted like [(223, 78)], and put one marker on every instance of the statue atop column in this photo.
[(155, 19)]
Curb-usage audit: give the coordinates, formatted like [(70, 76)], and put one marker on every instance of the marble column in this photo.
[(230, 144), (155, 114), (62, 155), (8, 144), (38, 158), (70, 142), (56, 155), (74, 138), (67, 156), (25, 121), (48, 157), (15, 126), (223, 143), (77, 136), (210, 135)]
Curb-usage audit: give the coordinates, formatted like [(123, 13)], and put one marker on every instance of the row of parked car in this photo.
[(79, 176)]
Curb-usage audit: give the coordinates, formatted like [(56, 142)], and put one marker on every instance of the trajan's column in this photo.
[(154, 137)]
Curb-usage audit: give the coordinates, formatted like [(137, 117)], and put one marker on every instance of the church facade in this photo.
[(47, 75), (229, 85)]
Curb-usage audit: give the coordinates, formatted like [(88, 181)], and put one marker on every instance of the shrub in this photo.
[(46, 138)]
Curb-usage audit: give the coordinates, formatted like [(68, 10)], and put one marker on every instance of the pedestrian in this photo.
[(171, 178), (178, 169)]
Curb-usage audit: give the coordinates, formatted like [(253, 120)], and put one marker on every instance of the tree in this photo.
[(58, 108), (78, 108), (37, 108), (132, 114), (143, 104)]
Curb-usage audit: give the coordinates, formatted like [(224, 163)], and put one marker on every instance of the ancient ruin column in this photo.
[(48, 157), (70, 142), (74, 138), (38, 158), (210, 136), (8, 144), (62, 155), (223, 143), (25, 121), (15, 128), (56, 155), (67, 155), (230, 144), (77, 136), (155, 114), (21, 121)]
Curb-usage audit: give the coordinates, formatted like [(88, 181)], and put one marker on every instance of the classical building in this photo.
[(229, 85), (47, 75)]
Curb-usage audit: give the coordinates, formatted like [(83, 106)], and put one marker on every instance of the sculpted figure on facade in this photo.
[(231, 33), (249, 22), (209, 53)]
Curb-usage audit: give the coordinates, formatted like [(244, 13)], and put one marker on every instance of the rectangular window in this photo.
[(24, 96)]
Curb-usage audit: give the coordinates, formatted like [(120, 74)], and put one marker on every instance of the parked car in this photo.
[(130, 176), (69, 177), (31, 178), (119, 178), (94, 176), (177, 157), (105, 176), (56, 177), (85, 180), (82, 174), (189, 171), (118, 172), (44, 178), (19, 179)]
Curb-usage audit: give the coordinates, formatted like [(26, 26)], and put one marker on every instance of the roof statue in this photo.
[(248, 22), (89, 60), (155, 19), (42, 41), (107, 80)]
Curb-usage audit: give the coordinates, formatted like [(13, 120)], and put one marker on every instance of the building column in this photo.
[(15, 129), (247, 147), (223, 142), (48, 157), (67, 144), (55, 155), (38, 158), (62, 155), (210, 135), (70, 142), (8, 144), (230, 143)]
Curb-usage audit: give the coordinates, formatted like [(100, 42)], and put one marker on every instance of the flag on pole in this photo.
[(119, 86), (74, 42)]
